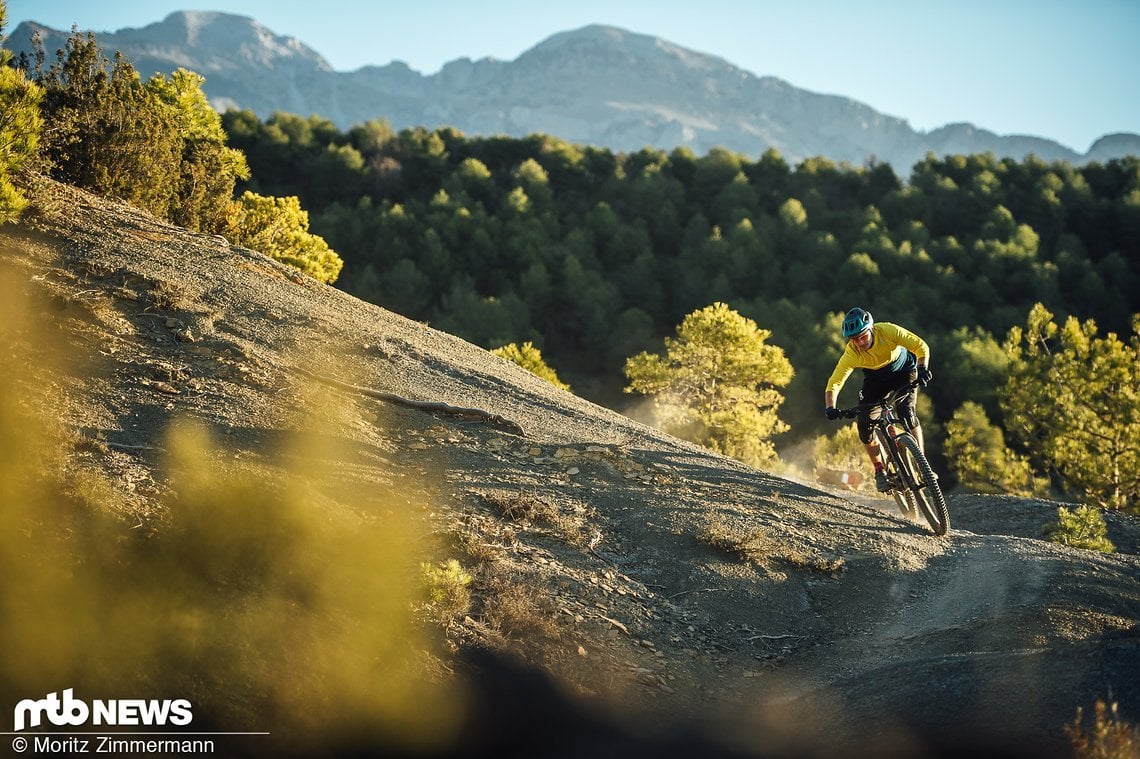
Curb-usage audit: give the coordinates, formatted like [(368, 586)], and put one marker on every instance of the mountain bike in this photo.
[(913, 482)]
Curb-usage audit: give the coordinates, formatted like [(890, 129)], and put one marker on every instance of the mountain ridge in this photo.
[(597, 85)]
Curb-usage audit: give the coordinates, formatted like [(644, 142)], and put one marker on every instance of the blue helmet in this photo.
[(857, 320)]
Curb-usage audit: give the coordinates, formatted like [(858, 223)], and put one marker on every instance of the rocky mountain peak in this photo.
[(1112, 145), (598, 85), (204, 41), (220, 40), (597, 44)]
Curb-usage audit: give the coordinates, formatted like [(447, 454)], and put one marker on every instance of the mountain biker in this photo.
[(891, 357)]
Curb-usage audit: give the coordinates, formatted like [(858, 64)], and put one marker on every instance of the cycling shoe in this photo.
[(882, 482)]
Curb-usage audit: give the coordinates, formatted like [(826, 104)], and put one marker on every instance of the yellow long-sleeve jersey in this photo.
[(886, 349)]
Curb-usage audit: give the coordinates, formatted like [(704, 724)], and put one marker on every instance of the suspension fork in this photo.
[(890, 439), (911, 479)]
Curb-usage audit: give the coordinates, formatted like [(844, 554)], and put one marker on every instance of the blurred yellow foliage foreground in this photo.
[(266, 610)]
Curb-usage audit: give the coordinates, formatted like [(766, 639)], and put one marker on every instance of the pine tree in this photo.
[(208, 170), (976, 451), (20, 126), (1074, 400), (105, 132), (717, 384)]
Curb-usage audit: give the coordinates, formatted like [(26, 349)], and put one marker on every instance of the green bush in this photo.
[(279, 228), (1082, 527), (530, 358), (447, 588)]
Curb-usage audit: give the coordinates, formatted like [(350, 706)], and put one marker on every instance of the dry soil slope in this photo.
[(860, 622)]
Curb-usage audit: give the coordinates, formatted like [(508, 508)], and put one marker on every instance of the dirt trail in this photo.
[(978, 645)]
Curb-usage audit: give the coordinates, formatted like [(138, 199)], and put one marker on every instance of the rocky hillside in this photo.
[(596, 85), (668, 588)]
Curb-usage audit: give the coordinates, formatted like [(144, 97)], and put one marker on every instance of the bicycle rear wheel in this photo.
[(928, 495)]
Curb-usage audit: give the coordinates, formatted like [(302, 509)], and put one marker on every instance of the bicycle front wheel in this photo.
[(927, 492)]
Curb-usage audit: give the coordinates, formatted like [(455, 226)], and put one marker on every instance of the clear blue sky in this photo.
[(1068, 70)]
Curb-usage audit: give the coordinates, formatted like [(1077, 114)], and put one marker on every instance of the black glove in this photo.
[(924, 376), (831, 412)]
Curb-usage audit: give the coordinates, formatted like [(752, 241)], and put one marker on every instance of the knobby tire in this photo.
[(929, 497)]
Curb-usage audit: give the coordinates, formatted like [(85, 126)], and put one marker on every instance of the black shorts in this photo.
[(877, 383)]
